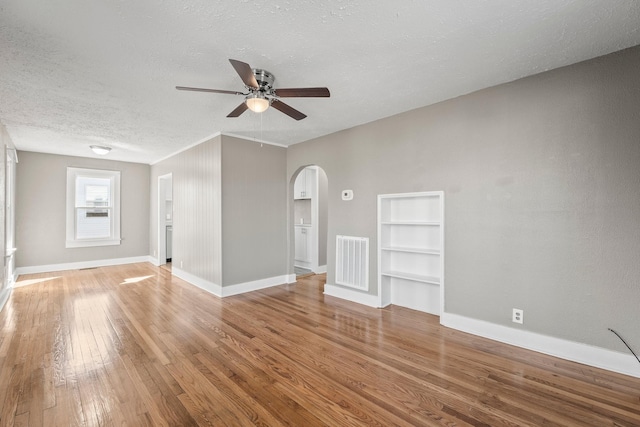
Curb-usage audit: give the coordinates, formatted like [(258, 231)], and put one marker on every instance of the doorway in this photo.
[(310, 207), (165, 219)]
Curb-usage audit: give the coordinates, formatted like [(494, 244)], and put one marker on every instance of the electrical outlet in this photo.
[(518, 316)]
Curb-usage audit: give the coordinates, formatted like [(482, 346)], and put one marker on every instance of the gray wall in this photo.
[(542, 207), (229, 210), (323, 212), (254, 210), (41, 181), (196, 178)]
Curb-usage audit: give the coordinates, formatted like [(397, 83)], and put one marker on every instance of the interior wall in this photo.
[(254, 211), (41, 196), (323, 216), (5, 281), (196, 185), (541, 181)]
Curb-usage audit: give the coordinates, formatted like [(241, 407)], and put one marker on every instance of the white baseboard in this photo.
[(13, 279), (353, 296), (227, 291), (4, 296), (321, 269), (302, 264), (255, 285), (576, 352), (82, 264), (155, 261), (212, 288)]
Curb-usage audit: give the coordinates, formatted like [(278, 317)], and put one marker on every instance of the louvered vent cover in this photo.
[(352, 262)]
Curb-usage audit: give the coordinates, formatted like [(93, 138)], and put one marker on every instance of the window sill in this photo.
[(91, 243)]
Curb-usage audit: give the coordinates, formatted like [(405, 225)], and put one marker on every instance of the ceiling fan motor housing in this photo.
[(264, 78)]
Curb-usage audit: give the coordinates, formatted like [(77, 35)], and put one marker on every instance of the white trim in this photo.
[(246, 138), (161, 237), (87, 243), (350, 295), (196, 281), (82, 264), (291, 278), (210, 137), (73, 173), (154, 260), (237, 289), (576, 352), (254, 285), (321, 269), (302, 264), (4, 296), (175, 153)]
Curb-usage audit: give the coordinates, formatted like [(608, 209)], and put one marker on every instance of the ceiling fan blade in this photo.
[(288, 110), (316, 92), (245, 72), (198, 89), (239, 110)]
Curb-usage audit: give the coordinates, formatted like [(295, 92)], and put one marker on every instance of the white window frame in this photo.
[(72, 175)]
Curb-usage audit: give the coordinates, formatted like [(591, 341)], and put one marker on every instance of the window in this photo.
[(93, 207)]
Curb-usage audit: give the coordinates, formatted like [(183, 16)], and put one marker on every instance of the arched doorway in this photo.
[(310, 219)]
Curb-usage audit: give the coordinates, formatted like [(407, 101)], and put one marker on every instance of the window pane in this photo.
[(92, 191), (93, 208), (93, 223)]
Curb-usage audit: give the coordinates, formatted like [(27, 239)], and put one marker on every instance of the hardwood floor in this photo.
[(130, 345)]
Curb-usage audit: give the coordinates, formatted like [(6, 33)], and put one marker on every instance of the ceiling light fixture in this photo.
[(98, 149), (257, 102)]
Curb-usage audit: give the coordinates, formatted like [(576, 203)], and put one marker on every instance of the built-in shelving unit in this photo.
[(411, 250)]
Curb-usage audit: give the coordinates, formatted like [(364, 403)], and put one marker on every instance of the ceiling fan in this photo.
[(262, 94)]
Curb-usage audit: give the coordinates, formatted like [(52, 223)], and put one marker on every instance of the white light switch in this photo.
[(347, 194)]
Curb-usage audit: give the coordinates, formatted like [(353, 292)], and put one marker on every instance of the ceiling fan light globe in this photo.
[(257, 104)]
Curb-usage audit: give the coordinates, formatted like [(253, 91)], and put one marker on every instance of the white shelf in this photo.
[(433, 223), (412, 250), (415, 277)]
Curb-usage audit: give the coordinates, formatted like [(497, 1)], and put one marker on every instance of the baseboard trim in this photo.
[(82, 264), (353, 296), (205, 285), (4, 296), (291, 278), (321, 269), (569, 350), (237, 289), (255, 285)]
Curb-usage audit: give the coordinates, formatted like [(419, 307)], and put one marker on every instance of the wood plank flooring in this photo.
[(131, 345)]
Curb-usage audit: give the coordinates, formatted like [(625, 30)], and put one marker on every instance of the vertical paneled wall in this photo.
[(229, 210), (196, 209)]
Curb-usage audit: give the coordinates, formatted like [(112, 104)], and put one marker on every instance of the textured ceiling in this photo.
[(81, 72)]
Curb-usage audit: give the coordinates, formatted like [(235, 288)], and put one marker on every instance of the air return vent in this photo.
[(352, 262)]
